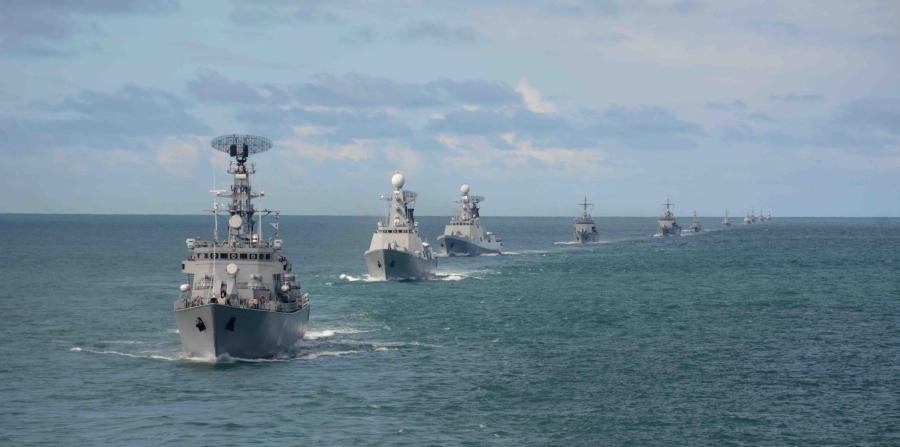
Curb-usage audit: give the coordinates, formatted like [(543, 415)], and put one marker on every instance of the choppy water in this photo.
[(780, 333)]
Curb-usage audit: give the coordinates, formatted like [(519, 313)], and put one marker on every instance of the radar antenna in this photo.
[(241, 146)]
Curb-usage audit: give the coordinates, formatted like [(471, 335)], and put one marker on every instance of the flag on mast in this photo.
[(274, 225)]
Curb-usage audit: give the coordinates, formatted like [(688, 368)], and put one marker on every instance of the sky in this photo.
[(109, 106)]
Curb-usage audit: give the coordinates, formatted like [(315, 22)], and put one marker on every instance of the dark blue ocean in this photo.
[(779, 333)]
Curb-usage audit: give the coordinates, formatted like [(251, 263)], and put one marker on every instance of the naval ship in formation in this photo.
[(464, 235), (585, 227), (667, 225), (726, 221), (240, 299), (397, 252), (695, 224)]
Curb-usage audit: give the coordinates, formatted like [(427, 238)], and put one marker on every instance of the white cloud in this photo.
[(179, 156), (680, 53), (409, 161), (301, 145), (532, 98)]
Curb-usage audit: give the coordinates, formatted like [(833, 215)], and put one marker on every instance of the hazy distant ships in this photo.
[(396, 251), (726, 221), (667, 225), (695, 224), (747, 219), (465, 235), (240, 299), (585, 227)]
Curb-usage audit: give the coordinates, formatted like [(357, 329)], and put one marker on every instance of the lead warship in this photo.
[(464, 235), (396, 251), (585, 227), (695, 224), (667, 225), (240, 299), (726, 221)]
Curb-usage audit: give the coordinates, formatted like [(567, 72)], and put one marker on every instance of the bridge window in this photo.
[(243, 255)]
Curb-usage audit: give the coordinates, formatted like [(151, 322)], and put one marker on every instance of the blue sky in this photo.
[(109, 106)]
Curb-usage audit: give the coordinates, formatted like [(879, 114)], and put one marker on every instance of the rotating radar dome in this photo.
[(397, 180), (464, 189)]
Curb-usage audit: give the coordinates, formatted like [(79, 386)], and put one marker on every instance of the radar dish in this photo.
[(241, 146)]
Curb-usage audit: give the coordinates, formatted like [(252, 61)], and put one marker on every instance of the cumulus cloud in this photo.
[(438, 32), (532, 98), (116, 120), (726, 105), (803, 99), (178, 156), (40, 28)]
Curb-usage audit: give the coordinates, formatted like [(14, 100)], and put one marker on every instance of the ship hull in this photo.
[(586, 238), (396, 265), (463, 246), (668, 231), (251, 334)]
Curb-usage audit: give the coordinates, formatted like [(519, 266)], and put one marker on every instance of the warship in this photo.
[(761, 217), (667, 224), (464, 235), (752, 215), (768, 215), (726, 221), (747, 219), (695, 224), (240, 299), (585, 227), (396, 251)]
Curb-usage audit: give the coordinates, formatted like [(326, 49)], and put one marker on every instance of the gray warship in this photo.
[(761, 217), (768, 215), (695, 224), (667, 225), (585, 227), (464, 235), (752, 214), (747, 219), (240, 299), (727, 220), (396, 251)]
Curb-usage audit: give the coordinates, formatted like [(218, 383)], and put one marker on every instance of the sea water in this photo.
[(778, 333)]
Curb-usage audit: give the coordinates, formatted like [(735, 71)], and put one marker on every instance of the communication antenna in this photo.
[(241, 146)]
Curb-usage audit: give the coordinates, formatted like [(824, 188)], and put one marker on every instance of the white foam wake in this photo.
[(364, 278)]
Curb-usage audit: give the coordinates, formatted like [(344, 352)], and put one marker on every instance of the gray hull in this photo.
[(396, 264), (463, 246), (668, 231), (584, 238), (251, 334)]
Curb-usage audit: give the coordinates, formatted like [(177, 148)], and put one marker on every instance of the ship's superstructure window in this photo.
[(243, 255)]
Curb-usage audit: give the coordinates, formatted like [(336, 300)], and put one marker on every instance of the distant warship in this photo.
[(396, 251), (761, 217), (240, 299), (585, 227), (726, 221), (747, 219), (752, 215), (464, 235), (695, 224), (768, 215), (667, 224)]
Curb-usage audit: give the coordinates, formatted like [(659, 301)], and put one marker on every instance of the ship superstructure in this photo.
[(241, 299), (695, 224), (397, 251), (666, 224), (585, 227), (465, 235), (726, 221)]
